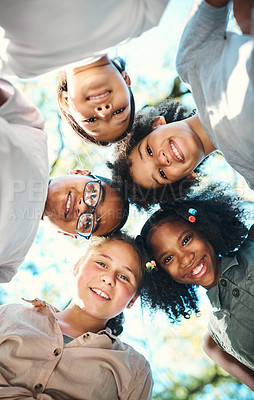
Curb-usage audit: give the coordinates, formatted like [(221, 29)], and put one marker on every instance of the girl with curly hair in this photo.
[(74, 353), (204, 242), (159, 159), (149, 161)]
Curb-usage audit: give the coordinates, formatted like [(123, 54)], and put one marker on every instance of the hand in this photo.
[(41, 303)]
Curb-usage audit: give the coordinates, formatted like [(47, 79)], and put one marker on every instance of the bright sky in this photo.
[(150, 59)]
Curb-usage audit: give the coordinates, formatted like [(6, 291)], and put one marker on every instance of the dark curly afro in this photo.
[(219, 220)]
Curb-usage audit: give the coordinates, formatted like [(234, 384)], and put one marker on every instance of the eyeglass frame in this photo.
[(97, 180)]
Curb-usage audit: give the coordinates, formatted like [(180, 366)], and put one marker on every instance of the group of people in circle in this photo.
[(203, 240)]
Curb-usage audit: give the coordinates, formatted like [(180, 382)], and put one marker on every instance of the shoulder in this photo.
[(136, 360)]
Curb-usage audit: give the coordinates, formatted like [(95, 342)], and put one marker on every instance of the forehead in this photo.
[(142, 168), (110, 129), (120, 252), (167, 232)]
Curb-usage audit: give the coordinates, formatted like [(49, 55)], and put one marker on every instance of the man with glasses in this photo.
[(79, 203)]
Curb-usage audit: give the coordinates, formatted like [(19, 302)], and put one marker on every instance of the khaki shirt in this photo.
[(231, 324), (34, 363)]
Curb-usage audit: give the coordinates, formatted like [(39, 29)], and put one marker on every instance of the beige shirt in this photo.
[(36, 364)]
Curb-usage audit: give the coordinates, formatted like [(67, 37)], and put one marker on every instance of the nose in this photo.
[(103, 110), (163, 159), (186, 259), (81, 207), (108, 278)]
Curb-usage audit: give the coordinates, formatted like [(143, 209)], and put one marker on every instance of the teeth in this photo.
[(100, 293), (196, 270), (68, 204), (99, 96), (176, 152)]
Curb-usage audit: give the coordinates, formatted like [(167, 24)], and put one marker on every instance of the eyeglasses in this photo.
[(91, 196)]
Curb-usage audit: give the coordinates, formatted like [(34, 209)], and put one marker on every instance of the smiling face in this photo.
[(185, 255), (168, 154), (107, 279), (65, 204), (98, 98)]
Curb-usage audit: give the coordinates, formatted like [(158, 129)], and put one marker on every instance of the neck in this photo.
[(197, 127), (74, 321), (80, 68)]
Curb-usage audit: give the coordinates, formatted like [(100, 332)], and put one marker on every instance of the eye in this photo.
[(119, 111), (102, 264), (149, 151), (186, 240), (123, 277), (85, 223), (90, 120), (167, 259), (162, 174)]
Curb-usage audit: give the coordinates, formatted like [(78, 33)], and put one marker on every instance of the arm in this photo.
[(205, 30), (228, 362), (243, 12), (217, 3)]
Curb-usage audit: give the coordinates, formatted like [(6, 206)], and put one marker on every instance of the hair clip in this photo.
[(192, 217), (150, 265)]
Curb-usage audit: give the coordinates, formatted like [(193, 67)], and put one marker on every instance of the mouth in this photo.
[(100, 293), (198, 270), (68, 205), (98, 97), (176, 152)]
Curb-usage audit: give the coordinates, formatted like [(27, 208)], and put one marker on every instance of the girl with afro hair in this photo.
[(205, 242), (137, 167)]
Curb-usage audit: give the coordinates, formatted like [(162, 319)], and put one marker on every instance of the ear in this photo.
[(132, 301), (127, 78), (76, 269), (68, 234), (85, 172), (192, 175), (159, 121), (64, 101)]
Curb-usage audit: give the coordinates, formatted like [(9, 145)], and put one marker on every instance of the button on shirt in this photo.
[(231, 324), (36, 364)]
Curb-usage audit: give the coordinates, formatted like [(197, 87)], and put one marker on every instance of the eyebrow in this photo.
[(123, 121), (122, 266), (98, 219), (118, 124), (141, 157)]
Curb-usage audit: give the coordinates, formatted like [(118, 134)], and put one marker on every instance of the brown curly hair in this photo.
[(142, 197)]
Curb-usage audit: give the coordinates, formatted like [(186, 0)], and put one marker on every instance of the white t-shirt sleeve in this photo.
[(24, 177)]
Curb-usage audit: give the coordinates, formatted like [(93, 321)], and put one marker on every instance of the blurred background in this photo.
[(180, 368)]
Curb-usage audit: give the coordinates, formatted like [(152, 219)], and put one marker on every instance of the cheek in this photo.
[(125, 294), (69, 227)]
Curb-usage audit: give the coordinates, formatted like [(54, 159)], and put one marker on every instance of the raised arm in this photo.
[(228, 362), (217, 3), (244, 14)]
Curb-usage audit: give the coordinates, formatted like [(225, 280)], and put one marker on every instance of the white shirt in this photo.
[(218, 67), (46, 35), (24, 176)]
